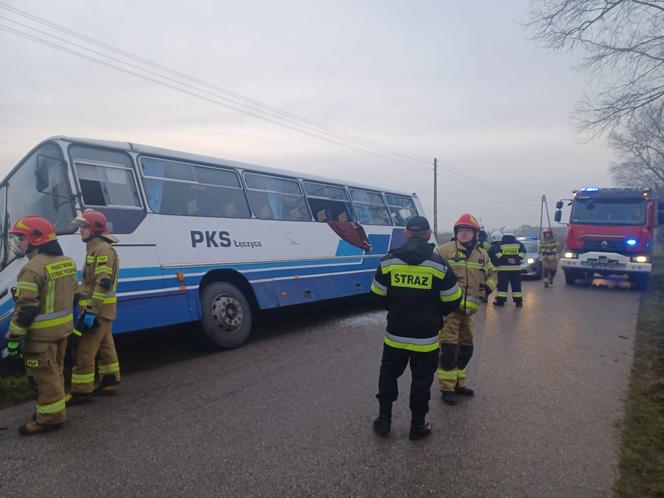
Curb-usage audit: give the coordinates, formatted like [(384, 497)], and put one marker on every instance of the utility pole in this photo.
[(544, 206), (435, 198)]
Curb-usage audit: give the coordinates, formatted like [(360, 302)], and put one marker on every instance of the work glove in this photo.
[(486, 290), (87, 321), (14, 350)]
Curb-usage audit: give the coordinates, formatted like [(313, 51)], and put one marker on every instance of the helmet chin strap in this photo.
[(30, 251)]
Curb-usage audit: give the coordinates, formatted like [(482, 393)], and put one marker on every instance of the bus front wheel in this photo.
[(225, 314)]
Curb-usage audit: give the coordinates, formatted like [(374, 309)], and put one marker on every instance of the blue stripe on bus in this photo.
[(347, 249), (190, 280), (156, 309), (162, 309)]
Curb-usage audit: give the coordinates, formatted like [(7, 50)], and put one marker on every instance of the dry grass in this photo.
[(642, 452)]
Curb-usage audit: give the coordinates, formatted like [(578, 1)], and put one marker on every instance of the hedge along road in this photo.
[(289, 414)]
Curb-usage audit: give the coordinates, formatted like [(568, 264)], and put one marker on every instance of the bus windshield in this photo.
[(38, 187), (608, 212)]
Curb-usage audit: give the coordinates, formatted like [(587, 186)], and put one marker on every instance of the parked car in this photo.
[(532, 263)]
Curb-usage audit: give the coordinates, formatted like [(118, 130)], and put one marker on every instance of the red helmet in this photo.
[(467, 220), (37, 229), (93, 219)]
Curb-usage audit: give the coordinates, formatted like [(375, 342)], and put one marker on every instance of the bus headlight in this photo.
[(570, 255), (640, 259)]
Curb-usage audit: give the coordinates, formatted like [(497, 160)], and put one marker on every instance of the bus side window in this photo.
[(107, 186), (276, 198), (328, 202), (401, 208), (189, 189), (370, 207)]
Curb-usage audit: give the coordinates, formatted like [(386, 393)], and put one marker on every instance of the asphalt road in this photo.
[(290, 413)]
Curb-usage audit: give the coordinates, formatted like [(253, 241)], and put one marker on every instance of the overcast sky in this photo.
[(454, 80)]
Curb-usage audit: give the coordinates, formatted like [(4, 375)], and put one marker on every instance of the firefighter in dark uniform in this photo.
[(418, 289), (507, 257), (42, 319)]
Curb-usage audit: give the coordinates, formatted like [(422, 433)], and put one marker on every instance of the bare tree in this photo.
[(639, 145), (621, 43)]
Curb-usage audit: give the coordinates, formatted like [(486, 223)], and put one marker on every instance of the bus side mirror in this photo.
[(559, 205), (559, 214), (41, 174)]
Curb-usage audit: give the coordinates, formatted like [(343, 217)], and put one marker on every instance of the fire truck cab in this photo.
[(610, 231)]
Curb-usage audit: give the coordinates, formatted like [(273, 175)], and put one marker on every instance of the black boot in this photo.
[(448, 398), (74, 398), (498, 303), (519, 304), (383, 423), (464, 391), (419, 431)]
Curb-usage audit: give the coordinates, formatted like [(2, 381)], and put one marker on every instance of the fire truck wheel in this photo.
[(642, 282), (570, 277)]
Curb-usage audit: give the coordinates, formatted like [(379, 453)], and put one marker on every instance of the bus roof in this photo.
[(186, 156)]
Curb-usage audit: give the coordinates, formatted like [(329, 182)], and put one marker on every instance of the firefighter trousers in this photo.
[(507, 278), (44, 367), (549, 268), (98, 341), (422, 368), (456, 350)]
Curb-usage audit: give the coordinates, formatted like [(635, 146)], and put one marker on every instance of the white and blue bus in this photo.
[(204, 238)]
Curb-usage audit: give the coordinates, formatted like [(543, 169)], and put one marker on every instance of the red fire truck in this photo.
[(610, 231)]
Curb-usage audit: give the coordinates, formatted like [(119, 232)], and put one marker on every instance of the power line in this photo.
[(461, 177), (248, 101), (246, 105), (188, 92)]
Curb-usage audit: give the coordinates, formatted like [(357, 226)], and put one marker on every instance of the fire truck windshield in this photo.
[(608, 212)]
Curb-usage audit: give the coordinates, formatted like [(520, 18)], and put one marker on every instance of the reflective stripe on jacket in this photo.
[(417, 288), (100, 278), (44, 298), (549, 249), (472, 267), (507, 255)]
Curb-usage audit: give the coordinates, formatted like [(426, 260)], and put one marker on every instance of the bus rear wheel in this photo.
[(225, 314)]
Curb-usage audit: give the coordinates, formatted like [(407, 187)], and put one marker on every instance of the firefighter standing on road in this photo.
[(477, 279), (418, 289), (98, 308), (42, 318), (507, 256), (549, 248)]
